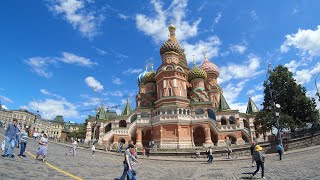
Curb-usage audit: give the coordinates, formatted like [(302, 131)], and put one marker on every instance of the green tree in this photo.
[(296, 108)]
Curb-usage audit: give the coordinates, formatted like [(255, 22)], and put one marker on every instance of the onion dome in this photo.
[(142, 75), (171, 44), (196, 73), (210, 68), (149, 77)]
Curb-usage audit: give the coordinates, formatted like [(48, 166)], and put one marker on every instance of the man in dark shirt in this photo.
[(252, 149), (10, 134)]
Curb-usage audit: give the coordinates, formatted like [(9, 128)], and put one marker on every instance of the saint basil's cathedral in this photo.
[(176, 107)]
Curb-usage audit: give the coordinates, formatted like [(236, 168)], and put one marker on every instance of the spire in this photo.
[(101, 113), (127, 109), (223, 105), (205, 56), (194, 61), (251, 107), (172, 30)]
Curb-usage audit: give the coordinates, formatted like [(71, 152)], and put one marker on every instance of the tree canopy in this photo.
[(296, 108)]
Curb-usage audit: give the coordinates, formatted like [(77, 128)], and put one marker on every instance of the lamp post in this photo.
[(315, 83), (274, 106)]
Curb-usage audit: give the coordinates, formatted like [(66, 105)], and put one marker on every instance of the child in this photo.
[(144, 151), (197, 153), (3, 145), (93, 148)]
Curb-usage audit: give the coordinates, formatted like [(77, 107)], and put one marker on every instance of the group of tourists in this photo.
[(16, 136)]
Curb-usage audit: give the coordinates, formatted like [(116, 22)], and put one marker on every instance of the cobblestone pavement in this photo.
[(300, 165)]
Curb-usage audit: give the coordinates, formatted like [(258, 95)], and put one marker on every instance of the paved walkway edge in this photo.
[(186, 159)]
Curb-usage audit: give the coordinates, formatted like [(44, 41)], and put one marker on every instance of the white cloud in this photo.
[(91, 101), (240, 71), (46, 92), (122, 16), (312, 94), (123, 101), (232, 91), (238, 48), (116, 80), (217, 19), (100, 51), (254, 15), (93, 83), (250, 92), (293, 65), (259, 87), (78, 15), (175, 13), (70, 58), (257, 98), (24, 107), (306, 41), (116, 93), (5, 107), (132, 71), (242, 107), (40, 65), (50, 108), (203, 5), (211, 46), (5, 99), (305, 75)]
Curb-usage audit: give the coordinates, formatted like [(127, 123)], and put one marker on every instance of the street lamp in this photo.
[(315, 83)]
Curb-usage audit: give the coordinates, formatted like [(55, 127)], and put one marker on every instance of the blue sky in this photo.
[(56, 51)]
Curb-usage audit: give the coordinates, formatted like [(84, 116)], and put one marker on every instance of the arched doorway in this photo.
[(231, 138), (122, 140), (123, 123), (146, 137), (245, 137), (107, 128), (198, 136)]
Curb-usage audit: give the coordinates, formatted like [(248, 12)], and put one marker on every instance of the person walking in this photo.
[(129, 160), (93, 148), (252, 149), (280, 151), (229, 150), (120, 148), (43, 147), (259, 158), (23, 142), (74, 147), (10, 134), (210, 155)]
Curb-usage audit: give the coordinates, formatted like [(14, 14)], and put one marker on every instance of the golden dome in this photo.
[(149, 77), (196, 73)]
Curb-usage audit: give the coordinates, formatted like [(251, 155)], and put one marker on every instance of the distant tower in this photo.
[(171, 76), (211, 84)]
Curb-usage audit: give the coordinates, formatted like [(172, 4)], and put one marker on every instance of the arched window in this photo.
[(223, 120), (180, 111), (123, 123), (107, 128), (232, 119), (170, 92), (133, 118), (199, 111), (212, 115)]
